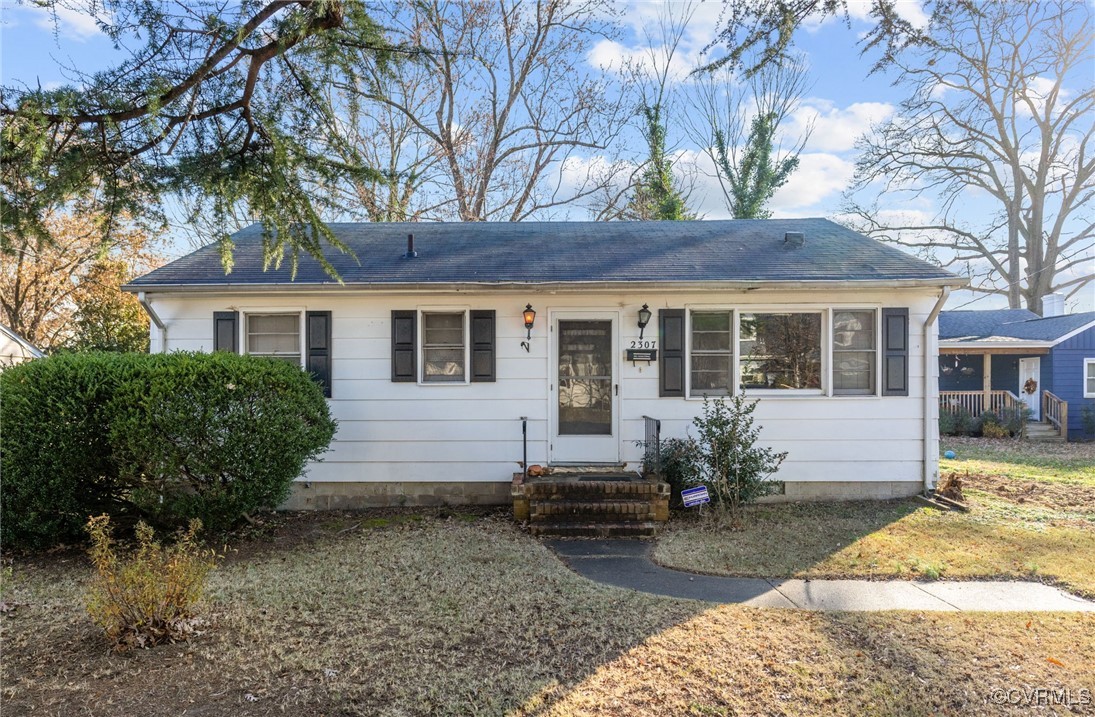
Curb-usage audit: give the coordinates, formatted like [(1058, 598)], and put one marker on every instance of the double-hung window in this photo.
[(275, 336), (1089, 378), (855, 353), (444, 347), (712, 353)]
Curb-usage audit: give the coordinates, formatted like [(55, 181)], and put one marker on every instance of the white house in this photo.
[(15, 349), (430, 369)]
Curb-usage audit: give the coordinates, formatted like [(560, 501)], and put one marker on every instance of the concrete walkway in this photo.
[(627, 564)]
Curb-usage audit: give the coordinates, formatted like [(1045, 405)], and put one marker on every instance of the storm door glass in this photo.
[(585, 378)]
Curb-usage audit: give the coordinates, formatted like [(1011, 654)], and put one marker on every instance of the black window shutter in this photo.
[(895, 352), (404, 368), (671, 372), (482, 346), (318, 329), (226, 335)]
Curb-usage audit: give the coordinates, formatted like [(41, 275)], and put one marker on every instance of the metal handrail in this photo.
[(653, 438), (524, 444)]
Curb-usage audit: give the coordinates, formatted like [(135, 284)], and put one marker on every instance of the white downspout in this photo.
[(155, 319), (931, 398)]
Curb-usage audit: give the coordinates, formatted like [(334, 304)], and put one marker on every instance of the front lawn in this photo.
[(421, 614), (1032, 516)]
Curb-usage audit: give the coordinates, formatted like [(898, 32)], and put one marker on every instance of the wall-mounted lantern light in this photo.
[(530, 318), (644, 319)]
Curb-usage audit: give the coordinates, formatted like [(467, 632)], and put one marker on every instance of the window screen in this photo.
[(854, 352), (275, 336), (712, 353), (443, 347)]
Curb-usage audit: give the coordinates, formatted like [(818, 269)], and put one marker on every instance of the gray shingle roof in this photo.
[(561, 252), (1008, 326)]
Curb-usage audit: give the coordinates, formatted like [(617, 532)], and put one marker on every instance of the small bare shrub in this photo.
[(950, 486), (994, 430), (150, 596)]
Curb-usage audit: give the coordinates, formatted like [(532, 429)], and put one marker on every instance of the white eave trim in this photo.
[(557, 286), (1075, 332), (1017, 344), (23, 343)]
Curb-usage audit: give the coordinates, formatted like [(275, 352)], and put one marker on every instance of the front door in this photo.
[(585, 424), (1030, 369)]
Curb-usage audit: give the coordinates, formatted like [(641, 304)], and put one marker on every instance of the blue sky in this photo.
[(843, 100)]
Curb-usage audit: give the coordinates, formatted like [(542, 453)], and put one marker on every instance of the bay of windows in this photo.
[(782, 351)]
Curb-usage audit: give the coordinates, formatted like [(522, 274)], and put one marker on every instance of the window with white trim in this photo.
[(855, 353), (275, 336), (712, 358), (444, 347), (1089, 378), (780, 351)]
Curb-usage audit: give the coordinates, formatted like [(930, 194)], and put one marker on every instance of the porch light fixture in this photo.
[(644, 319), (530, 318)]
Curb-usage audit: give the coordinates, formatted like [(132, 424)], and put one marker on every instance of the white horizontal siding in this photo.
[(472, 432)]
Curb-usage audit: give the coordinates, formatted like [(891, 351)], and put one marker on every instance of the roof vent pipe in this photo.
[(411, 253), (794, 239)]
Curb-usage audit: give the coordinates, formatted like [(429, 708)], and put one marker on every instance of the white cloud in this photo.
[(644, 47), (820, 177), (860, 11), (74, 23), (616, 57), (835, 129)]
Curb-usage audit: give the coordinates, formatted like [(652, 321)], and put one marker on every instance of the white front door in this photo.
[(584, 388), (1030, 369)]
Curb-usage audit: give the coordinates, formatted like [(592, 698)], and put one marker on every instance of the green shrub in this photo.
[(948, 423), (1087, 418), (1014, 419), (965, 423), (166, 437), (677, 456), (240, 430), (55, 454), (151, 596), (727, 459)]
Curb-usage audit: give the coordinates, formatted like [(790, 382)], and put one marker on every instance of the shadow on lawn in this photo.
[(785, 539), (379, 614)]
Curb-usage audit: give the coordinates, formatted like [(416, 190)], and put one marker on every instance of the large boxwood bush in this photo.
[(164, 438)]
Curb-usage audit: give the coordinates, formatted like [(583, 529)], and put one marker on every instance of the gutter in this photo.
[(931, 451), (549, 286), (155, 319)]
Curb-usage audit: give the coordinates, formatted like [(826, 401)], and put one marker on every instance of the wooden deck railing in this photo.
[(974, 401), (1055, 411)]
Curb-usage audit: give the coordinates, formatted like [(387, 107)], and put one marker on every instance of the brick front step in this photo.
[(578, 504), (631, 529), (577, 490), (592, 509)]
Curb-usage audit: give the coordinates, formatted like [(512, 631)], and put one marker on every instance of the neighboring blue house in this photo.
[(1010, 350)]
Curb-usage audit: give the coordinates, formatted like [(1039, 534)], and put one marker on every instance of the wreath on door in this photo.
[(1030, 387)]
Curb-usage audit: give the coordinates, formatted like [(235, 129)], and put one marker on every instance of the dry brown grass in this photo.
[(740, 661), (1032, 517), (422, 615)]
